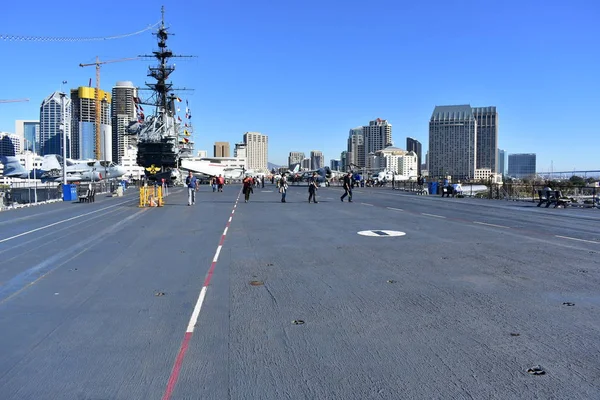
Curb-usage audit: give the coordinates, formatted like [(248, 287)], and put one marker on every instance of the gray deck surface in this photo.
[(476, 298)]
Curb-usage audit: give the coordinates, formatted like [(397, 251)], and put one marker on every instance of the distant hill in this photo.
[(271, 166)]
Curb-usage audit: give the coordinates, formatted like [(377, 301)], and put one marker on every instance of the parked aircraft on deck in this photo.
[(290, 174), (388, 176), (208, 167), (323, 174), (51, 169)]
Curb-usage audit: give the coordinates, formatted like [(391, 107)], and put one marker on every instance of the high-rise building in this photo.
[(377, 135), (305, 163), (29, 132), (123, 112), (452, 142), (84, 124), (10, 144), (522, 165), (295, 157), (240, 150), (487, 138), (408, 164), (356, 148), (385, 160), (55, 117), (335, 165), (257, 147), (344, 161), (221, 149), (317, 160), (501, 162), (415, 146)]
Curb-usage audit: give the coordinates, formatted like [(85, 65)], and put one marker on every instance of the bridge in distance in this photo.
[(271, 300)]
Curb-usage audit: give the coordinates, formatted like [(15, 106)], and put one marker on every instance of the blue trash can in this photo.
[(69, 192), (433, 187)]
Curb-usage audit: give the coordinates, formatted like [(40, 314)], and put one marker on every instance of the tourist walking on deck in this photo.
[(312, 188), (347, 187), (220, 182), (192, 186), (247, 189), (283, 187)]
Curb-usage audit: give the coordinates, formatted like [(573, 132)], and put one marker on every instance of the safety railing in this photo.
[(151, 196)]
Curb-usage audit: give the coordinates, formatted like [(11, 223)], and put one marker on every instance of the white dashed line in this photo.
[(494, 225), (367, 204), (196, 313), (225, 231), (395, 209), (579, 240), (433, 215), (216, 258)]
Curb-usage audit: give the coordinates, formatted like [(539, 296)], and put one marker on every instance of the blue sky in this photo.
[(304, 73)]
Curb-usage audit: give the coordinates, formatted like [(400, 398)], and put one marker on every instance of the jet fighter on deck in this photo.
[(51, 169)]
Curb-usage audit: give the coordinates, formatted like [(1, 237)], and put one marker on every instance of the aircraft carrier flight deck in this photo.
[(392, 296)]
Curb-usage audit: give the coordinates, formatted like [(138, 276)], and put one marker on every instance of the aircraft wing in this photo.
[(12, 167), (322, 174)]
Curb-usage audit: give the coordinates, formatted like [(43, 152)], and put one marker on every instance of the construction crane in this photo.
[(13, 100), (97, 127)]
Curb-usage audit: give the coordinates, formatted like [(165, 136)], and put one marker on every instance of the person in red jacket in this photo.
[(248, 183)]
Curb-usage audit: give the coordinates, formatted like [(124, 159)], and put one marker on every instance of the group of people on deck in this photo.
[(249, 182)]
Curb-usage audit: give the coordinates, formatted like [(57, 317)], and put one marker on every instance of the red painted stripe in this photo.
[(188, 336), (209, 274), (177, 366)]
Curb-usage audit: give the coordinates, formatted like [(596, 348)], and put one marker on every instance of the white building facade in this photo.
[(408, 164), (257, 148), (123, 111)]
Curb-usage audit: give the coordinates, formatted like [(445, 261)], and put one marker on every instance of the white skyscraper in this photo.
[(52, 111), (122, 113), (257, 147), (356, 148), (377, 135)]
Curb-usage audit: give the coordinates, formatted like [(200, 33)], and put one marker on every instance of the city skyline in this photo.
[(536, 115)]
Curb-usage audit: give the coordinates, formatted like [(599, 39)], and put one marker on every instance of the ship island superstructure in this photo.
[(162, 136)]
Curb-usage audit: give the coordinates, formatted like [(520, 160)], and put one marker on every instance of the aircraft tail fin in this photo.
[(296, 168), (12, 166), (50, 162)]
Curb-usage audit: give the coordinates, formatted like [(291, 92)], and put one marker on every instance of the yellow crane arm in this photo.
[(98, 149)]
